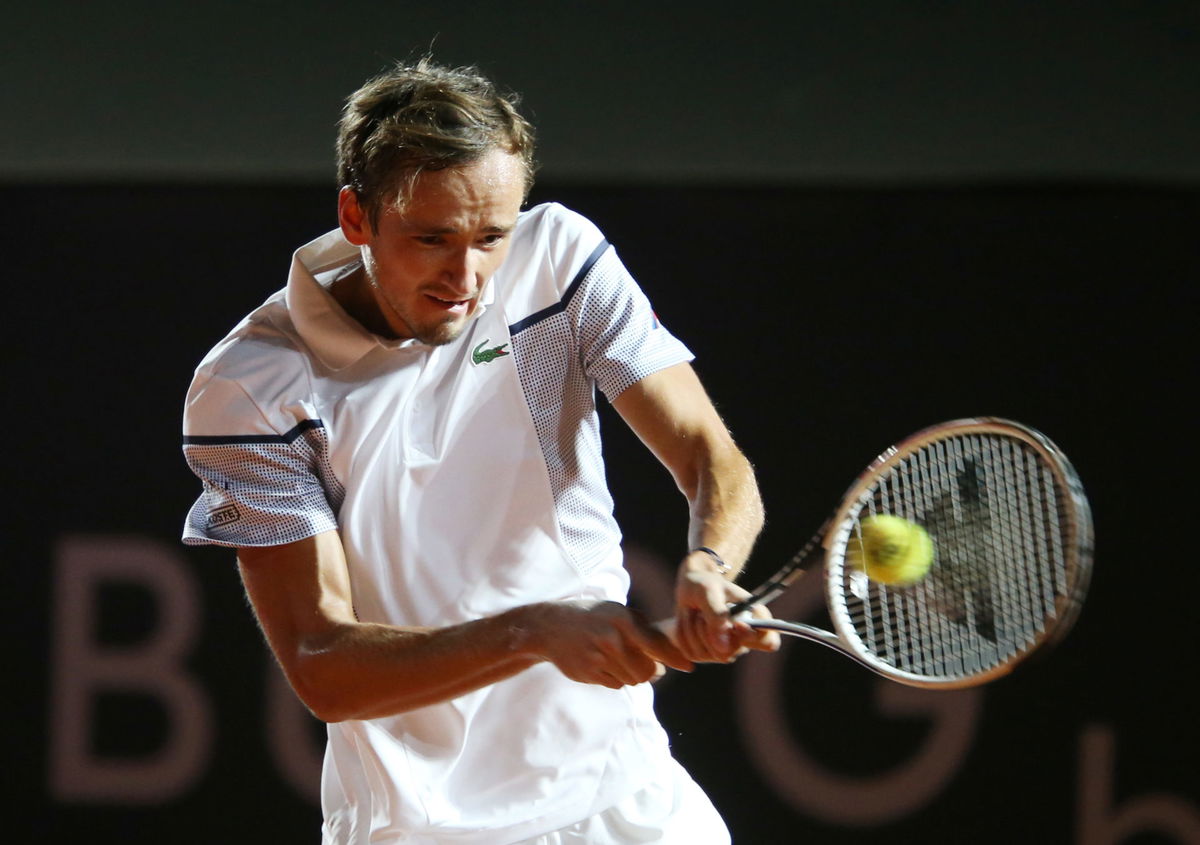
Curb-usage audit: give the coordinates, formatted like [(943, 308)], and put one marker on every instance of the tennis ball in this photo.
[(891, 550)]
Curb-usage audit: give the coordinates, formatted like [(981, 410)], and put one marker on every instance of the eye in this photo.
[(428, 240), (493, 238)]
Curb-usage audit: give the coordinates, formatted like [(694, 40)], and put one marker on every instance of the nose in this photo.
[(461, 272)]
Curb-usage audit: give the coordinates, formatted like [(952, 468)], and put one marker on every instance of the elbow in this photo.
[(337, 684), (319, 679), (327, 708), (333, 715), (317, 692)]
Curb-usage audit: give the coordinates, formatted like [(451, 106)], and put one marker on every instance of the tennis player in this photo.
[(403, 447)]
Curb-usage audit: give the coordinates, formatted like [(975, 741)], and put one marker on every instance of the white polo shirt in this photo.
[(465, 480)]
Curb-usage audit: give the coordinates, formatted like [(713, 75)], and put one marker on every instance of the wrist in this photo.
[(524, 631), (705, 558)]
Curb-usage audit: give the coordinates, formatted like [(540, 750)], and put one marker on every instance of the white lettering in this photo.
[(84, 668), (840, 799), (1102, 824)]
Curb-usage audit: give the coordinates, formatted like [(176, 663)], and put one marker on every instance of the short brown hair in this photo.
[(421, 117)]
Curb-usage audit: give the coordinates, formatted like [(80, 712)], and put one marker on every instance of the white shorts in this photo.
[(671, 811)]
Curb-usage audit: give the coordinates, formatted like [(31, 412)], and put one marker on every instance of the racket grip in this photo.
[(742, 608)]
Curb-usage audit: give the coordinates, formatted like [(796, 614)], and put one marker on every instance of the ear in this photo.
[(352, 217)]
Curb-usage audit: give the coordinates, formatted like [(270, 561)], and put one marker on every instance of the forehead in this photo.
[(492, 186)]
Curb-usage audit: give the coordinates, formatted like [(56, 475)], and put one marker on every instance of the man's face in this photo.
[(426, 263)]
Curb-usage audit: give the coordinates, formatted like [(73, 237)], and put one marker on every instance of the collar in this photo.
[(335, 337)]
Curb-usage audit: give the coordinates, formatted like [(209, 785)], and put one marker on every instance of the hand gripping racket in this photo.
[(1012, 554)]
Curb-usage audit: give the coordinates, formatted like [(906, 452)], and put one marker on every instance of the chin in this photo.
[(442, 333)]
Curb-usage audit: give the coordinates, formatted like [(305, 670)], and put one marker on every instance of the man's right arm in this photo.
[(345, 669)]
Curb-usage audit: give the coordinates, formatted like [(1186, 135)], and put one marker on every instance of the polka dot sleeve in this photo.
[(620, 338), (259, 489)]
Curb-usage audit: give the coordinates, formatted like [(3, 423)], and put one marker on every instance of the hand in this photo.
[(703, 628), (603, 643)]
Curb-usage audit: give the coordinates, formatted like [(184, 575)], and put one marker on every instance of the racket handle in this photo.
[(741, 610)]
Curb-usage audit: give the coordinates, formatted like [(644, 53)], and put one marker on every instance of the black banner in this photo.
[(827, 324)]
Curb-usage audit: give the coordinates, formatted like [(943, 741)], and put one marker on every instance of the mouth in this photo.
[(451, 306)]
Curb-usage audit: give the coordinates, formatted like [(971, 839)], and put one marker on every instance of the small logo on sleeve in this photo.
[(223, 516), (479, 355)]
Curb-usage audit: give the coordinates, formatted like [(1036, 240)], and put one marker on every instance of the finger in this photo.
[(659, 645), (760, 639), (719, 594), (721, 642), (693, 636), (684, 634), (759, 611), (676, 630), (627, 662), (716, 630), (721, 633), (737, 592), (729, 646), (640, 667), (607, 679)]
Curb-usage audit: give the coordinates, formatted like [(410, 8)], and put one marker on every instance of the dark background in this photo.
[(861, 222)]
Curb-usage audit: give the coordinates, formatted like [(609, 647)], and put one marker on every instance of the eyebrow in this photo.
[(416, 226)]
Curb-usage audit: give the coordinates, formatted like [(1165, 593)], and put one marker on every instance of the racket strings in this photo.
[(995, 513)]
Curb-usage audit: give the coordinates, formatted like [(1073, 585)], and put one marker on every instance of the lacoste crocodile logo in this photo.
[(479, 355)]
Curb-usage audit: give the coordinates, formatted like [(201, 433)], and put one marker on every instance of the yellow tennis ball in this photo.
[(891, 550)]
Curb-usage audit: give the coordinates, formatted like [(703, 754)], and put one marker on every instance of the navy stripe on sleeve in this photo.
[(561, 305), (227, 440)]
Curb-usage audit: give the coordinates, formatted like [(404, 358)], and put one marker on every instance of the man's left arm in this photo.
[(671, 413)]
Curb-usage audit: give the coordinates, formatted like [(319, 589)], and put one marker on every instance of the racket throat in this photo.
[(807, 632)]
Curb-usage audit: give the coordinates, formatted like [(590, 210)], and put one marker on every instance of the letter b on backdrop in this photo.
[(86, 668)]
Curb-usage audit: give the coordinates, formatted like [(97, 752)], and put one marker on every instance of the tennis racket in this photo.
[(1011, 532)]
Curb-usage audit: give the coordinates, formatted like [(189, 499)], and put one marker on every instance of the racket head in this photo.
[(1012, 554)]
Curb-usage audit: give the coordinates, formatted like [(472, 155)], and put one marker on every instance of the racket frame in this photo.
[(827, 548)]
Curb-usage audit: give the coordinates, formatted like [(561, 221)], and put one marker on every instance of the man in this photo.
[(403, 447)]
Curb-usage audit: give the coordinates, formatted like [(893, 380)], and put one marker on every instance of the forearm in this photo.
[(726, 510), (673, 416), (726, 518), (351, 670), (362, 671), (346, 669)]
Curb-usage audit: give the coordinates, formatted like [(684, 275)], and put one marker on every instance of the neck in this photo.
[(356, 296)]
